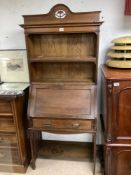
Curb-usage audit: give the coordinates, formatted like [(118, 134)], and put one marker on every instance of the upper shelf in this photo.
[(64, 59)]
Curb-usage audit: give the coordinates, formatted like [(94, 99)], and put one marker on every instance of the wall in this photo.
[(115, 25)]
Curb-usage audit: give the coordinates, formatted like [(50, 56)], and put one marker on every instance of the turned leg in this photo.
[(33, 149)]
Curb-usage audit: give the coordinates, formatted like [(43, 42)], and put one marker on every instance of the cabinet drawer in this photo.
[(7, 124), (63, 124), (8, 140), (9, 156), (5, 106)]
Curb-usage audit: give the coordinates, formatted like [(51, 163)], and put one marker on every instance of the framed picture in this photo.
[(13, 66)]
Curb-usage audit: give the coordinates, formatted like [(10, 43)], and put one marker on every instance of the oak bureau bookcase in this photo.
[(62, 51)]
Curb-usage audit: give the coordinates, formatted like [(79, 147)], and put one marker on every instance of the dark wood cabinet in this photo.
[(14, 140), (117, 120), (117, 160), (62, 51)]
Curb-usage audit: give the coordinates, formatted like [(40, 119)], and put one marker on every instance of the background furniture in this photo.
[(119, 55), (62, 51), (14, 141), (117, 120)]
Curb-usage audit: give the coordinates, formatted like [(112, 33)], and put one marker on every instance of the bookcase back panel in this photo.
[(62, 45), (53, 72)]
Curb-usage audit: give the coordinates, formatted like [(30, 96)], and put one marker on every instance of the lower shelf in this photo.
[(66, 150)]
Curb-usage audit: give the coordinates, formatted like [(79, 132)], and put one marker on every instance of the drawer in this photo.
[(7, 124), (65, 124), (5, 106), (9, 156), (8, 140)]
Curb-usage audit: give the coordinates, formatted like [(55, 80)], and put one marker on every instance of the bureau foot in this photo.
[(35, 138), (32, 164)]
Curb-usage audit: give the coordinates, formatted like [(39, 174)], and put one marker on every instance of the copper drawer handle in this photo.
[(76, 125), (47, 125)]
